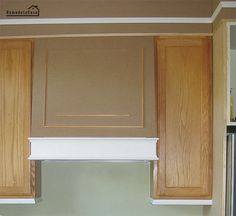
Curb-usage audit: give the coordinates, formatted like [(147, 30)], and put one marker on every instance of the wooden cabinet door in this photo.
[(184, 105), (17, 174), (95, 86)]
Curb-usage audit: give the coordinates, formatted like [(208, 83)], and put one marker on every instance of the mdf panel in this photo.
[(15, 108), (184, 118), (94, 87), (220, 46)]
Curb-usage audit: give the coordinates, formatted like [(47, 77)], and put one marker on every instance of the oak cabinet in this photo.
[(94, 86), (17, 173), (184, 116)]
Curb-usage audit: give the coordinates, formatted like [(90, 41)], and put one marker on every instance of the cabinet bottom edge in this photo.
[(181, 202)]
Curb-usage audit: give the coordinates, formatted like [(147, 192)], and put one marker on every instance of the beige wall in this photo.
[(101, 29), (116, 8), (101, 189), (215, 4)]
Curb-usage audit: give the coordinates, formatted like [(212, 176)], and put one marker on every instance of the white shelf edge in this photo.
[(19, 200), (180, 202), (93, 159), (93, 149)]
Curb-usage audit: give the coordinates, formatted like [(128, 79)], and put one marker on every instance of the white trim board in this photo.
[(224, 4), (20, 200), (95, 148), (106, 20), (180, 202), (121, 20)]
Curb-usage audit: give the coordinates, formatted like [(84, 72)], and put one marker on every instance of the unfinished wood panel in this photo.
[(184, 118), (15, 108), (219, 120), (94, 87)]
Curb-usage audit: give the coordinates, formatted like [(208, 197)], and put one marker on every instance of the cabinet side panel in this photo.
[(15, 105), (219, 121)]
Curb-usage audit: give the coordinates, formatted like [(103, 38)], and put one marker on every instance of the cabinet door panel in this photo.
[(184, 117), (15, 107), (94, 87)]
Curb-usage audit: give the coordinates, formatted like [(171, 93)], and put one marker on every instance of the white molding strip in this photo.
[(180, 202), (106, 20), (96, 148), (223, 4), (121, 20), (216, 12), (19, 200), (228, 4)]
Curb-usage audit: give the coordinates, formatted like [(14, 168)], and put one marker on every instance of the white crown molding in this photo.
[(216, 12), (224, 4), (93, 148), (180, 202), (105, 20), (228, 4)]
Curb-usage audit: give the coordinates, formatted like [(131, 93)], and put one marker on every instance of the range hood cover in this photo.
[(83, 148)]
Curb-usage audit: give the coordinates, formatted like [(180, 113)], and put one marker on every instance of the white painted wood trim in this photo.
[(216, 12), (95, 148), (224, 4), (105, 20), (180, 202), (228, 4), (231, 124), (228, 75), (20, 200)]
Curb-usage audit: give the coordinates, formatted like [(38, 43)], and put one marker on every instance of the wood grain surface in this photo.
[(15, 109), (184, 88)]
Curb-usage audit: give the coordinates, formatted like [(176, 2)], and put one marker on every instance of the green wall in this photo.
[(96, 189)]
